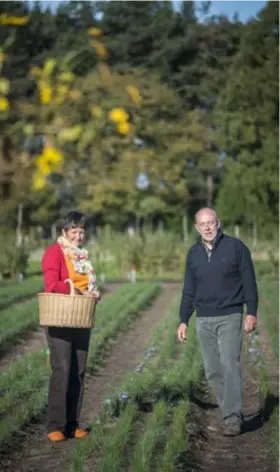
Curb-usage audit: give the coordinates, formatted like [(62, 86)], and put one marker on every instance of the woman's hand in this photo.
[(78, 291), (95, 294)]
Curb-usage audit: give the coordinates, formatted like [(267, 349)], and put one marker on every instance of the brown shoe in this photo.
[(79, 433), (56, 436), (232, 429)]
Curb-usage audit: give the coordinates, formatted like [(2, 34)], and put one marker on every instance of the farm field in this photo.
[(146, 399)]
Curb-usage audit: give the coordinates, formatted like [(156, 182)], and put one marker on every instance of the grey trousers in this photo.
[(221, 342), (68, 357)]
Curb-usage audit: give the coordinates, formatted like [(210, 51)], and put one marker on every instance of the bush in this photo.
[(13, 260), (159, 253)]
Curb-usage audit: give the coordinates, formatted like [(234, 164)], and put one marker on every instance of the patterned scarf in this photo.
[(79, 258)]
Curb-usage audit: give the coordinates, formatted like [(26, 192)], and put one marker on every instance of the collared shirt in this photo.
[(209, 250)]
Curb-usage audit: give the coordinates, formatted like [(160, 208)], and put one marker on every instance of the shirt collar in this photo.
[(217, 238)]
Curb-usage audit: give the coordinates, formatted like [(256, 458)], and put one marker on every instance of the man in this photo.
[(219, 279)]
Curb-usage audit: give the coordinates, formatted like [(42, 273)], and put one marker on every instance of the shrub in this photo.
[(13, 260)]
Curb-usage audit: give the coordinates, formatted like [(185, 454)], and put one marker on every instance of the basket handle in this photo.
[(72, 288)]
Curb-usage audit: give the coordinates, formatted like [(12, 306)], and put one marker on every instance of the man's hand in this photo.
[(250, 323), (182, 332)]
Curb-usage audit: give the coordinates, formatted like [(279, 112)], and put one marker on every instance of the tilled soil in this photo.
[(209, 450), (249, 452), (35, 453)]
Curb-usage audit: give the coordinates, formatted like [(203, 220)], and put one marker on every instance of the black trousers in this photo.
[(68, 357)]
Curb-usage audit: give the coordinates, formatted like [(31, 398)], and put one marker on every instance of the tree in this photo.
[(247, 119)]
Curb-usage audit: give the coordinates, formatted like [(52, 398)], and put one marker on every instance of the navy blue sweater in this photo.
[(219, 284)]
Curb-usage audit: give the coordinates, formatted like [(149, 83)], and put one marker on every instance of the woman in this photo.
[(66, 259)]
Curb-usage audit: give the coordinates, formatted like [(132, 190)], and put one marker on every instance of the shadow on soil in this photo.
[(262, 415)]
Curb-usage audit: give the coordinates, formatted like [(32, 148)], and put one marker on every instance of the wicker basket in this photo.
[(69, 311)]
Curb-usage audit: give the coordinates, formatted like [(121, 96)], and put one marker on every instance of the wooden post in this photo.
[(53, 232), (19, 235), (236, 231), (255, 235), (185, 228), (209, 190)]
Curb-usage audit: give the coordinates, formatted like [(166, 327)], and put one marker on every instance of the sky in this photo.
[(245, 9)]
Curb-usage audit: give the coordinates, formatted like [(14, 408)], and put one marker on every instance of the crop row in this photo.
[(144, 423), (18, 291), (23, 386)]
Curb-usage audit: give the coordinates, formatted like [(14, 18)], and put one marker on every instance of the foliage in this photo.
[(247, 118), (13, 260), (151, 113), (154, 254)]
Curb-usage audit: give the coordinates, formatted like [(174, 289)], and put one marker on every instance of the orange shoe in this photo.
[(79, 433), (56, 436)]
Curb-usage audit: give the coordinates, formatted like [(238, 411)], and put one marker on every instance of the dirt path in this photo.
[(249, 452), (34, 341), (35, 453)]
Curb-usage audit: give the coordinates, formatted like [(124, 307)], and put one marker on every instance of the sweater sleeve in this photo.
[(188, 293), (248, 278), (51, 272)]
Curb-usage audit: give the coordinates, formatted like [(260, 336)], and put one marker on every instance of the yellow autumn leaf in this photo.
[(66, 77), (119, 115), (4, 104), (13, 20), (96, 111), (53, 155), (4, 86), (45, 92), (61, 93), (134, 94), (49, 67), (94, 32), (104, 73), (100, 49), (124, 128), (28, 129), (62, 90), (75, 94), (35, 71), (70, 134), (38, 181), (43, 165)]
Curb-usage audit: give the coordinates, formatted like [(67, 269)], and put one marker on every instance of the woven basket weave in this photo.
[(69, 311)]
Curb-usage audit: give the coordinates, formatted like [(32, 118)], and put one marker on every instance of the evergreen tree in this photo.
[(247, 119)]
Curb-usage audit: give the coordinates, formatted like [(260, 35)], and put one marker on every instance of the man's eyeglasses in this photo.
[(205, 224)]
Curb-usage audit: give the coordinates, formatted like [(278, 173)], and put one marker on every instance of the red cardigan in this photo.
[(55, 270)]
